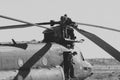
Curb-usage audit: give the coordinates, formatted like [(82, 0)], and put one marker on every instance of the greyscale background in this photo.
[(98, 12)]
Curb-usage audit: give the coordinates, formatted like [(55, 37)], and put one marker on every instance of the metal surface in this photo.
[(55, 73)]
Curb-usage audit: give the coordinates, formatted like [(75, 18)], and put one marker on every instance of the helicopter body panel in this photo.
[(54, 73)]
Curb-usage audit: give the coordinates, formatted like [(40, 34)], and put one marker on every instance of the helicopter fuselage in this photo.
[(12, 58)]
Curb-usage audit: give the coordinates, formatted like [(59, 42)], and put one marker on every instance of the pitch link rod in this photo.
[(6, 17)]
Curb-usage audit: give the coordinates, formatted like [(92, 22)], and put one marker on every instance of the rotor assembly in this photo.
[(63, 33)]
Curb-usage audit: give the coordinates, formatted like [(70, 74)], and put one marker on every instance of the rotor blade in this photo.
[(24, 25), (14, 26), (25, 69), (101, 43), (22, 21), (98, 26)]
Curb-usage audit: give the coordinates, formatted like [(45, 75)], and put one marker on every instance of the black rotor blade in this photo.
[(98, 26), (24, 25), (14, 26), (101, 43), (25, 69), (6, 17)]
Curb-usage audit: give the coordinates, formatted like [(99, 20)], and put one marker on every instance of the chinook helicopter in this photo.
[(47, 60)]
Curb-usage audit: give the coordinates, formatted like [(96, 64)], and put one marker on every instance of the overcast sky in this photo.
[(98, 12)]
